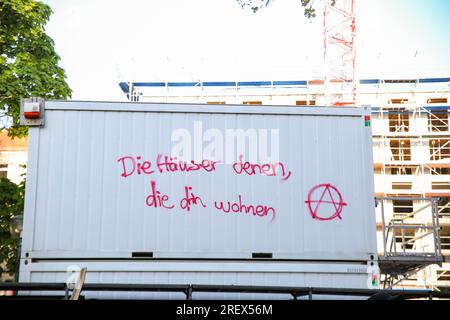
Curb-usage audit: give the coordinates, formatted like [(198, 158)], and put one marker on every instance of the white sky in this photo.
[(103, 42)]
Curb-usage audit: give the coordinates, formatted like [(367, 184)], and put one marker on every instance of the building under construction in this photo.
[(411, 146)]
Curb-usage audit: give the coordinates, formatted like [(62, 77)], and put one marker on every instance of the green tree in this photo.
[(256, 5), (28, 61), (11, 204)]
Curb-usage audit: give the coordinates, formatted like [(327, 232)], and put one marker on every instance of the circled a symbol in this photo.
[(325, 202)]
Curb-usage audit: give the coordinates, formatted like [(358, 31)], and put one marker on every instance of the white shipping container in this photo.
[(253, 195)]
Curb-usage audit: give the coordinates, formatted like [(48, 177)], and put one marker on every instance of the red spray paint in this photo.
[(268, 169), (334, 198)]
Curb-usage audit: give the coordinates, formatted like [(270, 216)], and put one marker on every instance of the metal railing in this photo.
[(189, 289), (411, 241), (402, 233)]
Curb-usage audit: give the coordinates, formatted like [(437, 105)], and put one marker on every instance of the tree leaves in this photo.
[(11, 204), (28, 68), (255, 5), (28, 61)]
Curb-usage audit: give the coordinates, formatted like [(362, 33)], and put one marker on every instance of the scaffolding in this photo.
[(412, 166), (411, 241)]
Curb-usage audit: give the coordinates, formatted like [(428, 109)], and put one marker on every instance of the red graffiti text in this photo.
[(156, 199), (171, 164), (190, 200), (268, 169), (239, 207), (131, 165)]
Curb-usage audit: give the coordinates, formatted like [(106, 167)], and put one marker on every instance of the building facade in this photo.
[(13, 157), (411, 147)]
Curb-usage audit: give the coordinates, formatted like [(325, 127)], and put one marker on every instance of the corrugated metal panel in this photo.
[(287, 274), (79, 206)]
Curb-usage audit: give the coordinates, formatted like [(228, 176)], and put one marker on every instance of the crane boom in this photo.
[(339, 52)]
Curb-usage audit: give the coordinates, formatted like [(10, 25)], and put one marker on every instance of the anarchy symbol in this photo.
[(330, 198)]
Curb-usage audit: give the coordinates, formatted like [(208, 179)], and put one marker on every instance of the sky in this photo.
[(103, 42)]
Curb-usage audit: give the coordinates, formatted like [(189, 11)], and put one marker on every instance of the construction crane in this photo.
[(339, 31)]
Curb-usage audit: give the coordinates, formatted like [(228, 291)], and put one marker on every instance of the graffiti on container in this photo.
[(325, 202), (172, 164), (164, 164), (156, 199), (131, 165), (190, 200), (268, 169), (239, 208)]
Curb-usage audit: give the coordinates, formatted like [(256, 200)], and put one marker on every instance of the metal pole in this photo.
[(189, 293), (403, 240), (19, 249), (383, 226), (435, 219), (394, 238)]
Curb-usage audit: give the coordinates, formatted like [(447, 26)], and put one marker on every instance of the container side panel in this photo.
[(288, 186)]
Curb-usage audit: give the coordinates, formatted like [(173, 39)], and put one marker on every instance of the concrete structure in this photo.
[(411, 143)]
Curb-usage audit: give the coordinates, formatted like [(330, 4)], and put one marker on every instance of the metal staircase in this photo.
[(410, 241)]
